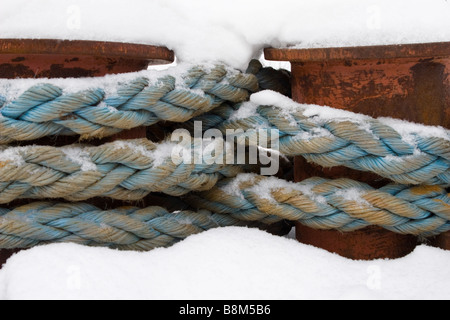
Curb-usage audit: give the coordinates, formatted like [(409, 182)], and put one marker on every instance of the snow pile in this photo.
[(227, 263), (230, 30)]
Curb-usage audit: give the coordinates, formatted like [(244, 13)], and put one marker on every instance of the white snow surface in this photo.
[(226, 263), (229, 30)]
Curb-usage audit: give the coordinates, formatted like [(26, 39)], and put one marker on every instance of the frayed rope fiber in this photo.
[(45, 109), (341, 204)]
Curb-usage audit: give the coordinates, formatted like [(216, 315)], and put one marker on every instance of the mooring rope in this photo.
[(247, 200), (341, 204), (330, 138), (127, 170), (415, 157), (127, 228), (46, 109), (124, 170)]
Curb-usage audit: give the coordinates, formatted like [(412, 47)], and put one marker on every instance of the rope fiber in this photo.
[(418, 161), (127, 228), (123, 170), (319, 203), (343, 140), (46, 109)]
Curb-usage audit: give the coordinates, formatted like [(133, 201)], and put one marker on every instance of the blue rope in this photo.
[(45, 109), (365, 145)]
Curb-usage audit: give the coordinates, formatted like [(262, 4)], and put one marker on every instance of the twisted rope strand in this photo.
[(45, 109), (124, 228), (124, 170), (344, 139), (341, 204)]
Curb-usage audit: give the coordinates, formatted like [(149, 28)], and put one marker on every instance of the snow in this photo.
[(246, 110), (227, 263), (232, 31), (265, 187), (408, 129), (81, 157), (11, 156), (313, 134), (288, 106), (355, 195), (158, 155), (233, 187)]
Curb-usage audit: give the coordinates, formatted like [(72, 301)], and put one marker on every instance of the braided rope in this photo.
[(344, 139), (268, 79), (45, 109), (124, 228), (341, 204), (124, 170)]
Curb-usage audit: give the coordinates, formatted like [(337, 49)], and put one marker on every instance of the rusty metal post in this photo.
[(74, 59), (408, 82), (442, 241)]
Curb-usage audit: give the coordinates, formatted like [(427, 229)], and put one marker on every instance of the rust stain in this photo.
[(67, 59), (445, 204), (127, 207), (424, 190), (366, 244), (70, 116), (409, 82), (413, 90)]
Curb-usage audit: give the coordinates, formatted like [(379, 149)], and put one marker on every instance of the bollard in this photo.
[(366, 244), (75, 59), (408, 82)]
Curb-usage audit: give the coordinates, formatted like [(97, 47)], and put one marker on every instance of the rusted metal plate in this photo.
[(63, 59), (419, 50), (5, 255), (409, 82), (412, 89), (442, 241), (367, 244), (135, 133), (72, 59)]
